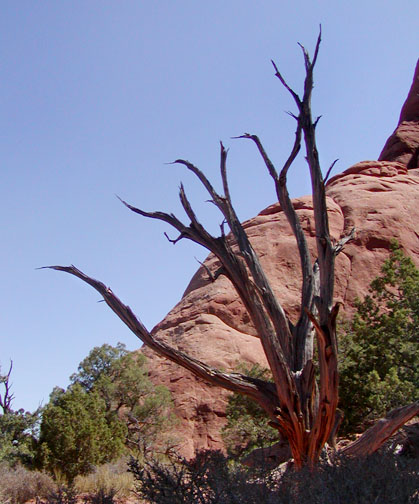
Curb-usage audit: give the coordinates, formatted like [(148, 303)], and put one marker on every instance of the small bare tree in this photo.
[(7, 398), (301, 407)]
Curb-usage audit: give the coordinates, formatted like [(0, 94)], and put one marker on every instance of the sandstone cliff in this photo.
[(379, 198)]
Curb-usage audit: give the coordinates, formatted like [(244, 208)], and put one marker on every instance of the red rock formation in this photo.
[(403, 145), (379, 198)]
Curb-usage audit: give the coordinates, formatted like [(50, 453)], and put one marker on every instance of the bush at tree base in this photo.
[(211, 478), (247, 424), (379, 354), (379, 357)]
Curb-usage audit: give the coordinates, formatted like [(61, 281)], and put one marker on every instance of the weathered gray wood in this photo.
[(8, 396), (261, 391), (381, 431), (301, 409)]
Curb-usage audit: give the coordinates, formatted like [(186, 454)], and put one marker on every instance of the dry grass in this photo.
[(108, 478), (18, 485), (211, 479)]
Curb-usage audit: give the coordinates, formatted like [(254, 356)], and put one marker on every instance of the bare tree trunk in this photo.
[(301, 409), (7, 399)]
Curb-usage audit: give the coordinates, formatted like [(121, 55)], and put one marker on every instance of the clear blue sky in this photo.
[(96, 96)]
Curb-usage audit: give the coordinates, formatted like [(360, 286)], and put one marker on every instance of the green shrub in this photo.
[(18, 429), (18, 437), (76, 433), (121, 380), (247, 423), (379, 367), (110, 408)]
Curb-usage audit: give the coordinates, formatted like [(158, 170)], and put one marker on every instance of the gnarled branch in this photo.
[(261, 391), (373, 438), (7, 399)]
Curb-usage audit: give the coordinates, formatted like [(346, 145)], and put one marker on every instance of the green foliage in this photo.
[(121, 380), (76, 433), (379, 352), (98, 365), (111, 407), (247, 423), (18, 437), (18, 429)]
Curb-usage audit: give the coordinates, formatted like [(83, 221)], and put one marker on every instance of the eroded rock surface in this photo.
[(403, 144)]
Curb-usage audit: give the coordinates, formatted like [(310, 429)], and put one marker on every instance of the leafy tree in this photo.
[(18, 429), (18, 437), (247, 423), (110, 407), (98, 364), (76, 433), (121, 380), (379, 369)]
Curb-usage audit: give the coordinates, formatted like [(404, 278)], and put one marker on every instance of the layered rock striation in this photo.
[(379, 198)]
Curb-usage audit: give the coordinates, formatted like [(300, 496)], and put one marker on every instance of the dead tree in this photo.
[(300, 406), (7, 399)]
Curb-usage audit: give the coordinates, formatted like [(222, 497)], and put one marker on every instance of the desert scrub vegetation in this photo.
[(18, 484), (211, 478), (108, 479), (104, 485), (111, 409)]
